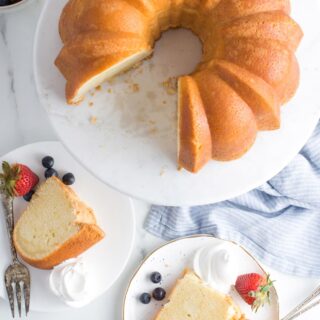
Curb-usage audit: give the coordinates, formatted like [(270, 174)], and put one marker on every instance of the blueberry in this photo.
[(156, 277), (50, 173), (68, 179), (28, 196), (47, 161), (145, 298), (159, 294)]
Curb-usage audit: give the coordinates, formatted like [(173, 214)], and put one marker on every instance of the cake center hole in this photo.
[(142, 103), (177, 52)]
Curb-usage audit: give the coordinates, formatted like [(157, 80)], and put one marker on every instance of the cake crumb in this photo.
[(93, 120), (111, 81), (164, 102), (170, 85), (136, 65), (163, 171), (151, 66), (135, 87), (151, 95), (153, 130), (90, 104), (109, 90), (98, 88)]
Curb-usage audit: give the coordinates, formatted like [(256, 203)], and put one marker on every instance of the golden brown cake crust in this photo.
[(231, 121), (87, 236), (257, 36), (257, 93), (91, 53)]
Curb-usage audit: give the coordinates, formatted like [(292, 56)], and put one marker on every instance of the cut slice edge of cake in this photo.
[(56, 226), (193, 299)]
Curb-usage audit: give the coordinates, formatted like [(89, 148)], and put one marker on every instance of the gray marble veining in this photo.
[(3, 29)]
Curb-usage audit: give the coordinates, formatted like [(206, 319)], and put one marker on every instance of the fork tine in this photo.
[(10, 297), (26, 292), (18, 294)]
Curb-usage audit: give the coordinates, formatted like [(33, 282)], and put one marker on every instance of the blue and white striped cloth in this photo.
[(278, 222)]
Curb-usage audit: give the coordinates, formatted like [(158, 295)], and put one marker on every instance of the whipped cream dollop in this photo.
[(70, 282), (217, 266)]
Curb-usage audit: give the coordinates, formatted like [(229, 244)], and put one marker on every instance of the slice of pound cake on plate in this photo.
[(192, 299), (56, 226)]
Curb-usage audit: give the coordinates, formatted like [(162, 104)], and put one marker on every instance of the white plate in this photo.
[(170, 260), (132, 147), (107, 259)]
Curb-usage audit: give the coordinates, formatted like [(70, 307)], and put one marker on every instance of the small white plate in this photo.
[(170, 260), (131, 144), (107, 259)]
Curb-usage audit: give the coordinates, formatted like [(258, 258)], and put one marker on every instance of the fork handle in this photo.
[(303, 306), (7, 203)]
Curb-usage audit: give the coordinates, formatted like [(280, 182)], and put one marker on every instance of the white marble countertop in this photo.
[(23, 121)]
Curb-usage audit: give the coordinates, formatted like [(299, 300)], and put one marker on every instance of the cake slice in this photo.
[(192, 299), (56, 226)]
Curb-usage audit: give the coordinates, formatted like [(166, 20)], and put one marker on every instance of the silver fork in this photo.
[(17, 276), (305, 305)]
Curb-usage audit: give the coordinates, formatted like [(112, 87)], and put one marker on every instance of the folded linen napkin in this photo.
[(278, 222)]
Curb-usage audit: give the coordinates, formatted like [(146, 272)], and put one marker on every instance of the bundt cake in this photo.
[(247, 72)]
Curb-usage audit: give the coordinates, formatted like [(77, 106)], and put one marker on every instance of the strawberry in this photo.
[(254, 289), (17, 180)]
